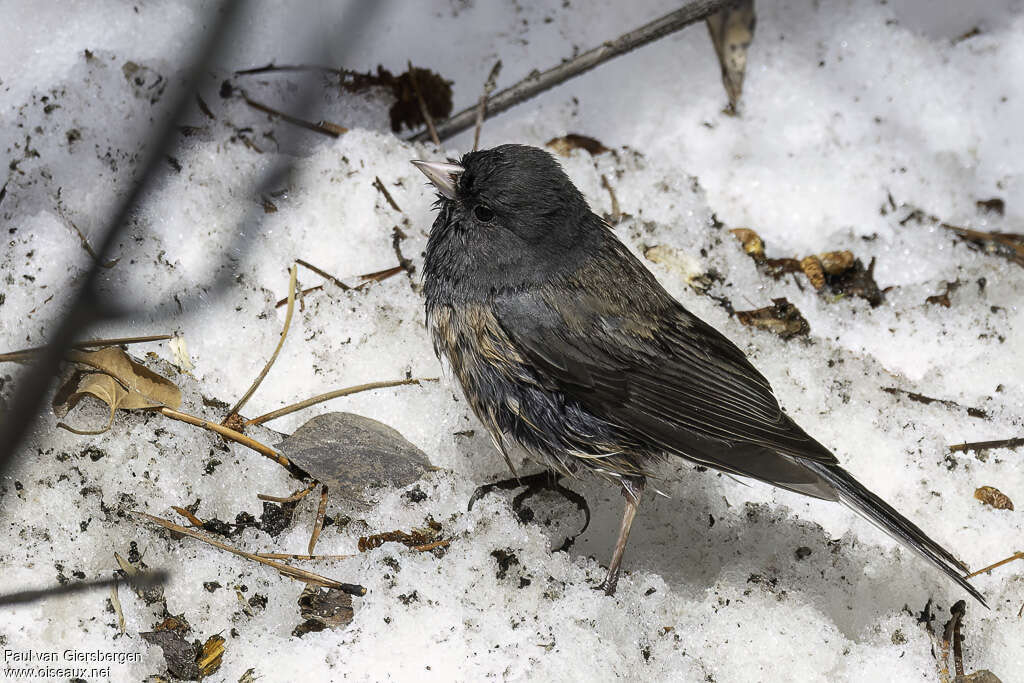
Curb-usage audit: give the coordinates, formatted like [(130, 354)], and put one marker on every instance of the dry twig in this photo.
[(27, 354), (323, 127), (1000, 563), (295, 556), (228, 433), (536, 83), (283, 569), (318, 526), (295, 497), (379, 185), (985, 445), (423, 106), (287, 410), (280, 342), (481, 107)]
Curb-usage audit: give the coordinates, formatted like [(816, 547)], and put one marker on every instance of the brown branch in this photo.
[(396, 243), (26, 354), (536, 83), (287, 410), (297, 496), (384, 191), (1000, 563), (322, 273), (481, 107), (271, 67), (985, 445), (280, 342), (423, 107), (284, 569), (295, 556), (379, 275), (228, 433), (367, 278), (616, 214), (921, 398), (192, 519), (318, 526), (323, 127)]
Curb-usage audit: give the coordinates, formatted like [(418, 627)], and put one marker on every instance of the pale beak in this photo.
[(441, 174)]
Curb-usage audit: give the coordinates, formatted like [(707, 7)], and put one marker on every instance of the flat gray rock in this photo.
[(350, 452)]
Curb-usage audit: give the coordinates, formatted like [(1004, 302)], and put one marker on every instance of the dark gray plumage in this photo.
[(566, 345)]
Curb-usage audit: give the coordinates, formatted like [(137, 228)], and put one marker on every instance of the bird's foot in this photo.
[(534, 484)]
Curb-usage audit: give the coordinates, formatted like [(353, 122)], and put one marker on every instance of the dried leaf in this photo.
[(564, 145), (732, 31), (133, 376), (814, 272), (751, 241), (679, 261), (990, 495), (211, 655), (323, 608), (179, 352), (106, 389), (781, 317), (836, 262), (350, 452), (179, 654)]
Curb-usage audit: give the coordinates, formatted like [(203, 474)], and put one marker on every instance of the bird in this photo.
[(566, 346)]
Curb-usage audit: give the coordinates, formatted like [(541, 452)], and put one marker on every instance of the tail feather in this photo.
[(857, 496)]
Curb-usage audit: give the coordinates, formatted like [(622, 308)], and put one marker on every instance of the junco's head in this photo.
[(508, 215)]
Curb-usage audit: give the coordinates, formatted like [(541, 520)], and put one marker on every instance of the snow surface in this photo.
[(845, 104)]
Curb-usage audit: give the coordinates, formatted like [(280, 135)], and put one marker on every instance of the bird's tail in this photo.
[(857, 496)]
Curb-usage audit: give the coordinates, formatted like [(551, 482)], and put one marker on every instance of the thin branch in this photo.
[(82, 238), (283, 569), (192, 519), (985, 445), (27, 354), (228, 433), (280, 342), (287, 410), (295, 497), (927, 400), (616, 214), (481, 107), (1000, 563), (384, 191), (536, 83), (318, 526), (423, 107), (290, 67), (115, 602), (324, 127), (294, 556), (322, 273)]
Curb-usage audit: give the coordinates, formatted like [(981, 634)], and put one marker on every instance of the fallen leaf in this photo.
[(350, 452), (323, 608), (179, 351), (134, 376), (751, 241), (990, 495), (732, 31), (781, 317), (564, 145)]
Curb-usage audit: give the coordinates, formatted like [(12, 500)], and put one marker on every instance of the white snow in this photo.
[(845, 104)]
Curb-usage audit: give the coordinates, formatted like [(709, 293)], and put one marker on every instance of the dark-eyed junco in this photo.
[(566, 346)]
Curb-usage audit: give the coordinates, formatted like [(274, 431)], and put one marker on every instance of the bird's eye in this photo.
[(483, 214)]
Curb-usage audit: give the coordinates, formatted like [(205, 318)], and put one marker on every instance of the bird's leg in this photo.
[(632, 487)]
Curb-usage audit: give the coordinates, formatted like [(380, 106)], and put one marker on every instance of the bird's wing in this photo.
[(639, 360)]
